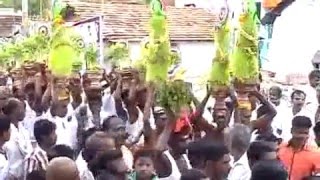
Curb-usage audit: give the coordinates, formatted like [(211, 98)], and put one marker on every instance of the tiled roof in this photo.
[(130, 21), (167, 2), (8, 23), (113, 1)]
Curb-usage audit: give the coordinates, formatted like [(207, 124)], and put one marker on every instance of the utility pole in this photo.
[(25, 10)]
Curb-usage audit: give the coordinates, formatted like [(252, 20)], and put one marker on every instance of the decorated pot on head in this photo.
[(29, 70), (75, 76), (17, 77), (92, 83), (60, 88), (92, 78), (127, 74)]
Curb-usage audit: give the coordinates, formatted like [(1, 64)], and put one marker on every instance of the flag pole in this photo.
[(24, 13)]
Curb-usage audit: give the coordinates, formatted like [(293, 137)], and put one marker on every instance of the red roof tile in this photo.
[(8, 23), (130, 21)]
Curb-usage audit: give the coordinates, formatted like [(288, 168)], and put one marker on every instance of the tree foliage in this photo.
[(35, 6)]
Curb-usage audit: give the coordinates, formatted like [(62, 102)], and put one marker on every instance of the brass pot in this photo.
[(220, 92), (75, 79), (16, 73), (92, 79), (245, 86), (243, 89), (43, 68), (31, 69), (60, 82), (17, 77)]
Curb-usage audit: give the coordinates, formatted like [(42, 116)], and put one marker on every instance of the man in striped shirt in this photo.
[(45, 134)]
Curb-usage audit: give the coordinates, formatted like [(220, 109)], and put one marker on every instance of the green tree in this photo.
[(36, 7), (16, 4)]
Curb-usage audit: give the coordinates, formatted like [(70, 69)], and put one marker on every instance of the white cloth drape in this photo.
[(295, 40)]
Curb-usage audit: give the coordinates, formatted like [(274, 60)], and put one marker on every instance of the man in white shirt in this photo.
[(240, 141), (4, 137), (66, 126), (299, 108), (19, 144), (96, 143), (115, 127), (275, 94), (312, 92), (312, 98), (45, 134)]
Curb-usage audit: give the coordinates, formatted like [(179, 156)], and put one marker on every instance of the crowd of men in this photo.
[(126, 135)]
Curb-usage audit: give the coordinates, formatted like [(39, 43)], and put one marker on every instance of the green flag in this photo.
[(57, 6), (157, 7)]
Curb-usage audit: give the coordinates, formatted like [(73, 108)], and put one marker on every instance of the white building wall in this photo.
[(196, 57)]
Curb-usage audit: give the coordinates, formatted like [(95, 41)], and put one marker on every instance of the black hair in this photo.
[(29, 87), (4, 124), (268, 137), (43, 127), (124, 93), (90, 150), (230, 104), (257, 150), (111, 155), (316, 128), (269, 169), (192, 174), (207, 149), (314, 73), (99, 163), (106, 122), (10, 106), (277, 89), (61, 150), (260, 77), (36, 175), (144, 153), (104, 175), (86, 134), (297, 91), (301, 122)]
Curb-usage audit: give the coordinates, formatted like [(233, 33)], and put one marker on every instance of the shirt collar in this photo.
[(15, 129), (242, 161), (133, 176), (307, 147)]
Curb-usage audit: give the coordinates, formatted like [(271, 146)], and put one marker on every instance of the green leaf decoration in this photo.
[(245, 65), (118, 55)]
